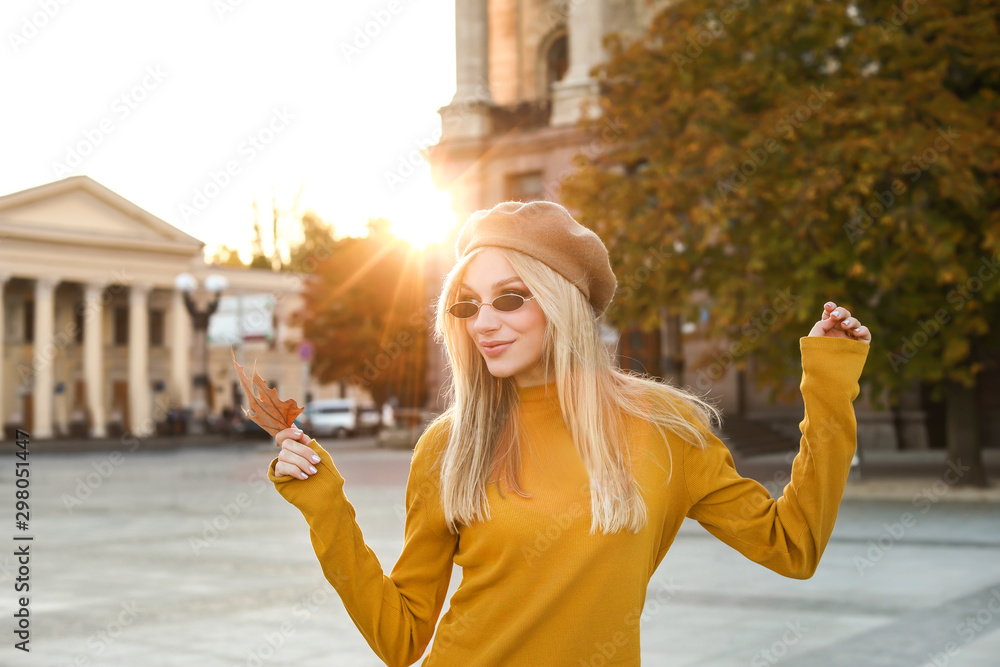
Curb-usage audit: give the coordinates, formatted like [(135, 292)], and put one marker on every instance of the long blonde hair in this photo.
[(595, 396)]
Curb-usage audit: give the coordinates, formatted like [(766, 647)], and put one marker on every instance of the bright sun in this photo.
[(425, 217)]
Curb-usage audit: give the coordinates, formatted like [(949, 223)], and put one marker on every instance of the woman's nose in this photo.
[(486, 319)]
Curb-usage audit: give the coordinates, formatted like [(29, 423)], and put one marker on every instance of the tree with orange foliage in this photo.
[(825, 150), (366, 314)]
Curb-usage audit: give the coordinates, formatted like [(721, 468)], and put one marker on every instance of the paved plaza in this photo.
[(189, 557)]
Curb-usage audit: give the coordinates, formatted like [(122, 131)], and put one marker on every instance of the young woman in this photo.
[(556, 480)]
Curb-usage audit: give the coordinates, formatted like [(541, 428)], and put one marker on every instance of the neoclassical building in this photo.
[(96, 339), (510, 133), (523, 81)]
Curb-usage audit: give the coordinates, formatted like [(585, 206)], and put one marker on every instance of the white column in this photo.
[(139, 396), (4, 277), (467, 116), (64, 390), (93, 357), (180, 351), (472, 51), (44, 356), (585, 30)]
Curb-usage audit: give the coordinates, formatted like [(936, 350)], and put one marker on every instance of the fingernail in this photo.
[(829, 303), (312, 470), (302, 475), (836, 313), (315, 459), (297, 432)]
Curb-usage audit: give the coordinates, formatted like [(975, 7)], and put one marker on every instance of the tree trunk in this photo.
[(964, 430), (671, 347)]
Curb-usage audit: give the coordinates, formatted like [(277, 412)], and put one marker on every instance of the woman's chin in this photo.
[(498, 371)]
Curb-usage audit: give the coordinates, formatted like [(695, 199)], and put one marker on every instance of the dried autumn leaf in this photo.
[(266, 409)]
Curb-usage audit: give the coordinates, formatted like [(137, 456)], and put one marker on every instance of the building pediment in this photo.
[(79, 211)]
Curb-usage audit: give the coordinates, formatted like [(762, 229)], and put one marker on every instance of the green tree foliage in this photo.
[(366, 314), (832, 151)]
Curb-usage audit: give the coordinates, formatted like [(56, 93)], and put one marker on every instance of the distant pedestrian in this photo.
[(556, 480)]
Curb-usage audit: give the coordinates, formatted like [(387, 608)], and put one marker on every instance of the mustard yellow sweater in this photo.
[(537, 589)]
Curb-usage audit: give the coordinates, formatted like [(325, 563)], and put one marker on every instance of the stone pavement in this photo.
[(188, 556)]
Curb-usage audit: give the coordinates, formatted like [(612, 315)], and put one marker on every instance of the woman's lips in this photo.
[(495, 349)]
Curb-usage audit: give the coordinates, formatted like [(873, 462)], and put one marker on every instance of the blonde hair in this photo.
[(595, 395)]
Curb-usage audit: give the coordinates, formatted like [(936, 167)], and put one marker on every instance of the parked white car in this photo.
[(336, 416), (369, 420)]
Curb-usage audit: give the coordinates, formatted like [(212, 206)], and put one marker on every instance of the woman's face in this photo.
[(511, 343)]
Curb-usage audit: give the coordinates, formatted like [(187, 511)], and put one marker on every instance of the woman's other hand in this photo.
[(837, 322)]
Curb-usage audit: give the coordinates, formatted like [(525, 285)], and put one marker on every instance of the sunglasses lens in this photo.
[(505, 303), (463, 309), (508, 302)]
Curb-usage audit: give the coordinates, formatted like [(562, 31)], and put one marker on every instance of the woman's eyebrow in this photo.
[(497, 284)]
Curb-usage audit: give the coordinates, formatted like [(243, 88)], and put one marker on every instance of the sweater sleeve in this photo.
[(397, 613), (787, 535)]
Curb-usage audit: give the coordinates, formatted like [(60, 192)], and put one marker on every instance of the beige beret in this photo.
[(546, 231)]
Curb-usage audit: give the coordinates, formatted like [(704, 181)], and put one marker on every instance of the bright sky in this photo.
[(193, 109)]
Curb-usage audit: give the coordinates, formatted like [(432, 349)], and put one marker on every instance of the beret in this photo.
[(547, 232)]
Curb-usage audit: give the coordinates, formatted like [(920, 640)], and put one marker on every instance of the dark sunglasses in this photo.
[(505, 303)]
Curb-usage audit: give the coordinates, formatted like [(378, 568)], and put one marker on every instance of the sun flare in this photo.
[(423, 218)]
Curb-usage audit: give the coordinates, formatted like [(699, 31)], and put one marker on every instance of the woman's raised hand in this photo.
[(837, 322), (296, 458)]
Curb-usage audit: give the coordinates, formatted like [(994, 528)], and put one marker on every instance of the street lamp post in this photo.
[(215, 285)]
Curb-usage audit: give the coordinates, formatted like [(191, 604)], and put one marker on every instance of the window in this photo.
[(121, 325), (525, 187), (556, 60), (78, 323), (156, 327), (29, 321)]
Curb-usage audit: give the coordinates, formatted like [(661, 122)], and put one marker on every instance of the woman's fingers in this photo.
[(293, 433), (295, 458), (837, 322), (840, 313), (295, 467), (844, 323), (860, 332)]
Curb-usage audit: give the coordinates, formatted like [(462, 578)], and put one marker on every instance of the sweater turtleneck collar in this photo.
[(539, 395)]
